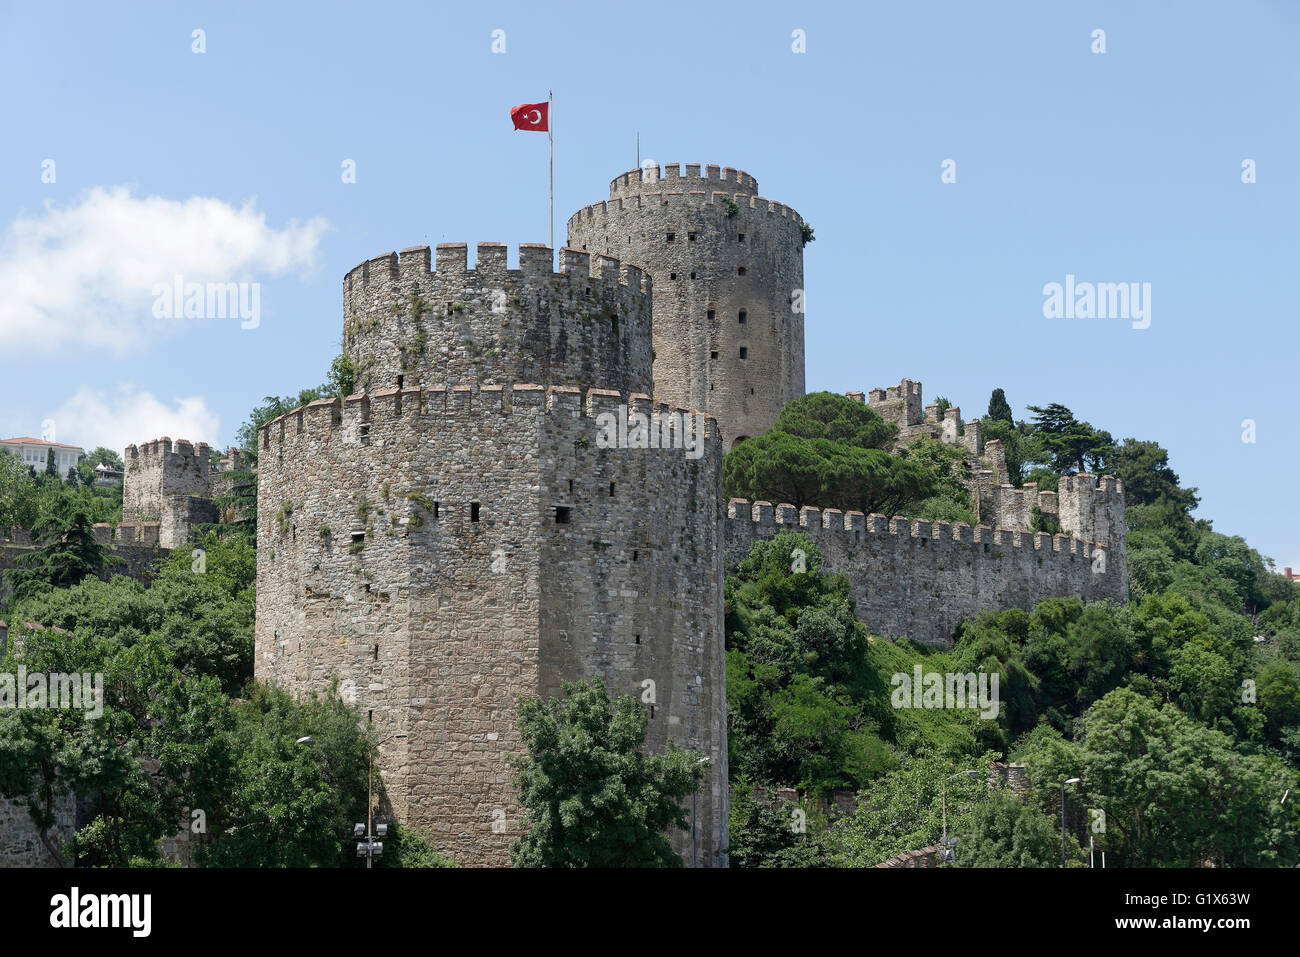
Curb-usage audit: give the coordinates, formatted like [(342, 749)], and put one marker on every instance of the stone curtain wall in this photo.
[(20, 840), (919, 580), (697, 358), (588, 324)]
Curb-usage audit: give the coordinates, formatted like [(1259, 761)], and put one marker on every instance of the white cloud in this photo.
[(129, 416), (85, 274)]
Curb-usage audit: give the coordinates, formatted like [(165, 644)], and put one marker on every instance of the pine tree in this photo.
[(999, 408)]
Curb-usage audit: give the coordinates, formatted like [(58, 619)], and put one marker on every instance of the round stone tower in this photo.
[(499, 509), (727, 267)]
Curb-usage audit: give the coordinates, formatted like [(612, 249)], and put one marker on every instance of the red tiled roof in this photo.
[(28, 440)]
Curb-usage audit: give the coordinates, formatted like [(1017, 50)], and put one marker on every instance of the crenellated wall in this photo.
[(167, 486), (405, 323), (446, 550), (919, 580), (694, 233)]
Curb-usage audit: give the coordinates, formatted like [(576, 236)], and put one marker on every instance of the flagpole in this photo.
[(550, 139)]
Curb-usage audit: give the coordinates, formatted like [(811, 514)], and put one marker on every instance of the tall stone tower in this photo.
[(168, 484), (727, 267), (457, 536)]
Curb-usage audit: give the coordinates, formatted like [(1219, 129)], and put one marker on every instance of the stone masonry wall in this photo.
[(919, 580), (680, 228), (444, 550), (491, 324), (20, 841), (169, 485)]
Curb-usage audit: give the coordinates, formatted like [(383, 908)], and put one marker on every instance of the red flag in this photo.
[(530, 116)]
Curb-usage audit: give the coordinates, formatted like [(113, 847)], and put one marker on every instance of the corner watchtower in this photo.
[(727, 267)]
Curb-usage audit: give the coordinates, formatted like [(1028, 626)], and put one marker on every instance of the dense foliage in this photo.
[(591, 798), (1180, 710)]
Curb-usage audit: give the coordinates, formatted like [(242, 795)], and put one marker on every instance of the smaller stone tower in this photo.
[(170, 485), (727, 267)]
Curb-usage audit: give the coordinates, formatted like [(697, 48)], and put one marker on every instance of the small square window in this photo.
[(671, 237), (740, 271), (690, 237), (672, 275), (713, 355), (562, 514), (740, 237), (692, 275)]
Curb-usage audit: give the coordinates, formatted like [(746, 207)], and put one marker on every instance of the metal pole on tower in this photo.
[(550, 136)]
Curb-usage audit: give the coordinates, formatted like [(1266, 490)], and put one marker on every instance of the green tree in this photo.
[(825, 415), (590, 797), (1007, 833), (66, 552), (904, 810), (1072, 446), (769, 834), (999, 408)]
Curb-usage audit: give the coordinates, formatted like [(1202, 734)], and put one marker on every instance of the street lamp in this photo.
[(943, 793), (368, 847), (694, 794), (1063, 784)]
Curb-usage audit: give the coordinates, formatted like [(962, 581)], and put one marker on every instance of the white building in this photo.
[(34, 452)]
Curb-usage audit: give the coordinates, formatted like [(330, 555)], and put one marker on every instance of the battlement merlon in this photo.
[(355, 419), (655, 178), (899, 404), (179, 455), (450, 264), (816, 521)]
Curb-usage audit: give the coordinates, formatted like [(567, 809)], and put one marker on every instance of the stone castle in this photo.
[(454, 536)]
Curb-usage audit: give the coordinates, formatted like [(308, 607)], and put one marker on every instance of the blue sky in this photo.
[(1117, 167)]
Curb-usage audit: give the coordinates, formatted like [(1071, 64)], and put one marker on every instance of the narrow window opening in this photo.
[(638, 639), (376, 652), (435, 509), (671, 237), (562, 514), (570, 486), (743, 316), (672, 275), (740, 271), (713, 355), (690, 237), (370, 717), (400, 379), (740, 237), (744, 352), (634, 554), (611, 489), (473, 511), (710, 314), (692, 275), (652, 712)]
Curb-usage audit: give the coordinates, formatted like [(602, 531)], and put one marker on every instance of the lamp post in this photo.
[(695, 860), (368, 847), (943, 794), (1063, 784)]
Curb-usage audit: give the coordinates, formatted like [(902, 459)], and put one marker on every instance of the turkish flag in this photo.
[(530, 116)]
